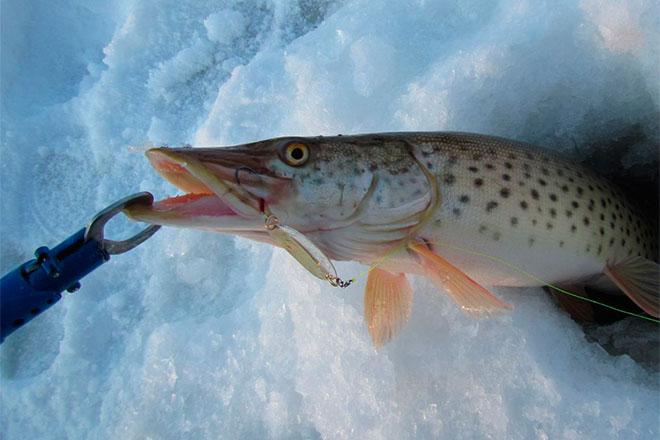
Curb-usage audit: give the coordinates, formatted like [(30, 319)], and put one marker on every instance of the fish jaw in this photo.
[(215, 198)]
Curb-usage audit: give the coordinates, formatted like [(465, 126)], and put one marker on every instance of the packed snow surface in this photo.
[(196, 335)]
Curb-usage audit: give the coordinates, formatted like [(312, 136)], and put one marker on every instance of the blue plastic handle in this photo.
[(38, 284)]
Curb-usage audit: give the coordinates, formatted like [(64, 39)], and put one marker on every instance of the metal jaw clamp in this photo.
[(95, 229)]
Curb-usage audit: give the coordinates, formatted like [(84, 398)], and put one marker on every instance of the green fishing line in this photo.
[(517, 269)]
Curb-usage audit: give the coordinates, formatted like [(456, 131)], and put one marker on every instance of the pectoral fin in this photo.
[(387, 304), (638, 278), (467, 293)]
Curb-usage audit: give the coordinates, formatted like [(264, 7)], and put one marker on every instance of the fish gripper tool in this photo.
[(37, 284)]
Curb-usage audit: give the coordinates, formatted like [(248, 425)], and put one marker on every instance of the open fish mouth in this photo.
[(225, 189)]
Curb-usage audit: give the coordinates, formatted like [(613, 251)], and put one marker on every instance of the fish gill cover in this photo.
[(196, 335)]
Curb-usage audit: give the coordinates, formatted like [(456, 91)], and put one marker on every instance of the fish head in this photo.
[(310, 184)]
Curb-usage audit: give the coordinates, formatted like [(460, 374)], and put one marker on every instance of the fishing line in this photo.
[(515, 268), (314, 260)]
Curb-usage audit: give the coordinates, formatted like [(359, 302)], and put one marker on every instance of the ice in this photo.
[(196, 335), (224, 26)]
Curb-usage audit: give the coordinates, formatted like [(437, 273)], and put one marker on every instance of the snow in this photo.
[(224, 26), (195, 335)]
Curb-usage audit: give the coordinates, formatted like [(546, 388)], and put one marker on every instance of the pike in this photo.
[(446, 206)]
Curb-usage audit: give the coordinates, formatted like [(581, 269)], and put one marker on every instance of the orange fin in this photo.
[(387, 304), (638, 278), (467, 293)]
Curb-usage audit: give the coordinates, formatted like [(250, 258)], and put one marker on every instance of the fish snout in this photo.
[(239, 177)]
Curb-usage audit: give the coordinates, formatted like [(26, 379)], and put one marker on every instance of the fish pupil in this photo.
[(297, 153)]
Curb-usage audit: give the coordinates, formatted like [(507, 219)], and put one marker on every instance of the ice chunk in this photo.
[(224, 26)]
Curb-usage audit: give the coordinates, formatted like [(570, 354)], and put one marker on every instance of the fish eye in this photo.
[(296, 154)]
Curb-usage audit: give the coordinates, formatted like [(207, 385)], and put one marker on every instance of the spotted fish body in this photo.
[(540, 213), (465, 210)]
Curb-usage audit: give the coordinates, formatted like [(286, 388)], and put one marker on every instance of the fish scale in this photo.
[(514, 201)]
